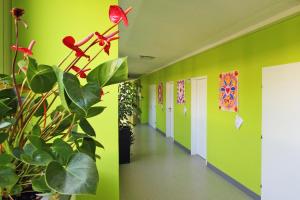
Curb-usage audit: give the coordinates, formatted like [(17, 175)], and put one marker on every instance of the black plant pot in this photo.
[(125, 141), (23, 196)]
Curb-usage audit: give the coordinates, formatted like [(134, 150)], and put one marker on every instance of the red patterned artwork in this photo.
[(180, 92), (160, 93), (228, 91)]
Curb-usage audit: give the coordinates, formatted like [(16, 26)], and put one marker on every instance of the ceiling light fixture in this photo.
[(144, 57)]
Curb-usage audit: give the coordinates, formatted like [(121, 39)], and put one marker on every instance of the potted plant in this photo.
[(42, 153), (138, 98), (127, 108)]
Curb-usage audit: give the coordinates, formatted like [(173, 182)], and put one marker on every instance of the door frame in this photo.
[(152, 91), (194, 137), (170, 133)]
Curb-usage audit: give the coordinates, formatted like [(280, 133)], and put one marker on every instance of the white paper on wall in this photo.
[(238, 121), (184, 110)]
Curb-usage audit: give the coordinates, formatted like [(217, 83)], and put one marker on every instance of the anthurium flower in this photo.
[(25, 51), (79, 71), (116, 14), (108, 45), (105, 40), (69, 41), (84, 40)]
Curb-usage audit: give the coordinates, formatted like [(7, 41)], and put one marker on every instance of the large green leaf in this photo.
[(29, 149), (41, 78), (76, 136), (94, 111), (5, 159), (11, 101), (36, 130), (80, 176), (4, 108), (35, 152), (37, 142), (111, 72), (3, 136), (17, 152), (23, 64), (8, 177), (34, 156), (88, 147), (61, 87), (5, 123), (6, 79), (62, 150), (84, 97), (87, 127), (41, 158), (39, 185)]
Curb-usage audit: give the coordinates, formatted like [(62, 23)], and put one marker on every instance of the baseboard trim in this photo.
[(182, 147), (175, 142), (234, 182), (161, 132)]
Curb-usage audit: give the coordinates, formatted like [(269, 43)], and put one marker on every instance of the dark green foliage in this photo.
[(128, 102), (39, 146), (128, 107)]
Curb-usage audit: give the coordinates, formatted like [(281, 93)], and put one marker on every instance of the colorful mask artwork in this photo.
[(180, 92), (160, 93), (228, 94)]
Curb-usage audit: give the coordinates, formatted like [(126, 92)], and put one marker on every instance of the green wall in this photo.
[(1, 35), (49, 22), (235, 152), (5, 36)]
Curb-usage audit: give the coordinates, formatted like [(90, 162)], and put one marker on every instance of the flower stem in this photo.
[(62, 62), (90, 61), (14, 64)]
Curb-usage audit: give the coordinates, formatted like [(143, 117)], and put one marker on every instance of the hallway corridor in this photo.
[(160, 170)]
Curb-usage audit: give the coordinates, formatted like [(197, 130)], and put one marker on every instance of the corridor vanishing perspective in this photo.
[(161, 170)]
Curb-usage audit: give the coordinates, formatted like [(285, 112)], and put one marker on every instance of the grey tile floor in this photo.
[(160, 170)]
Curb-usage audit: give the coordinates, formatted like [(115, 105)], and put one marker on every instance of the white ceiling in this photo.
[(171, 30)]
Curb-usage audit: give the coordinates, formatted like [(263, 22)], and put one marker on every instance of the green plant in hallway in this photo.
[(43, 155), (138, 97), (128, 107)]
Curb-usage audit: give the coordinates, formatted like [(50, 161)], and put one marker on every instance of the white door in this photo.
[(152, 106), (281, 132), (198, 116), (170, 109)]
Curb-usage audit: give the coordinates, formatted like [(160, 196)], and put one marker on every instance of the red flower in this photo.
[(116, 14), (69, 41), (105, 40), (25, 51), (79, 71)]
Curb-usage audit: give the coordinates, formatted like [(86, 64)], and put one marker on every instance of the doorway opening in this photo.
[(152, 106), (199, 116), (170, 109)]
